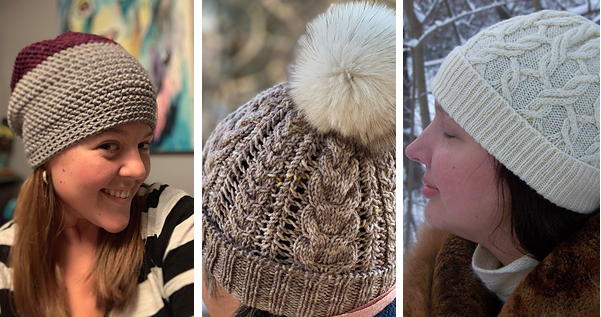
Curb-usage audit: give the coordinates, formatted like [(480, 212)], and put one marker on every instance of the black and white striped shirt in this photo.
[(166, 281)]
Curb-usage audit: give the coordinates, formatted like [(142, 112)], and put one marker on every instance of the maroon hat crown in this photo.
[(34, 54)]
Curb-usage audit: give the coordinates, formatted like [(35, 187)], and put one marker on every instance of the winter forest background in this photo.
[(431, 29)]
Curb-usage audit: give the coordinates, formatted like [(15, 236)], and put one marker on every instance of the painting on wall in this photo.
[(160, 34)]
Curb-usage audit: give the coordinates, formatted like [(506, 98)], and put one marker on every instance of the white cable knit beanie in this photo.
[(527, 90)]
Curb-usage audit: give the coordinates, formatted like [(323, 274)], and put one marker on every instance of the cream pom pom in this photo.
[(344, 79)]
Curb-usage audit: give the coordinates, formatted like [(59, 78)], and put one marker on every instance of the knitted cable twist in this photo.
[(331, 219), (296, 222), (527, 89)]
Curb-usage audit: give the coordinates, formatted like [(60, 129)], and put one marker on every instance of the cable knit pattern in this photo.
[(527, 89), (72, 87), (331, 219), (296, 222)]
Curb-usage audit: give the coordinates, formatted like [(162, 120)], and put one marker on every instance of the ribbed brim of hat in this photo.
[(76, 93), (287, 290), (478, 108)]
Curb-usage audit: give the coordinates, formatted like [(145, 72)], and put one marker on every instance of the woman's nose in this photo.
[(419, 150), (134, 166)]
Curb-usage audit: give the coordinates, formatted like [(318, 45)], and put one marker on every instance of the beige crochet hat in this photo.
[(298, 212), (527, 89)]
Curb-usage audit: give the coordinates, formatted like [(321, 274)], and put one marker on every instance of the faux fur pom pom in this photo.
[(344, 79)]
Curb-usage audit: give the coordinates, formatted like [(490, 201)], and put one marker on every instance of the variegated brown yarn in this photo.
[(296, 222)]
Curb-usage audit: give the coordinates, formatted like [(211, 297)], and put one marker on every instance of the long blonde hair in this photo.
[(37, 276)]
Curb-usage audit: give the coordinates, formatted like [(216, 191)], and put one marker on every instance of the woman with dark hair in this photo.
[(512, 175), (89, 238)]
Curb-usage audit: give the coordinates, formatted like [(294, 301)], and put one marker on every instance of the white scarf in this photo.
[(499, 279)]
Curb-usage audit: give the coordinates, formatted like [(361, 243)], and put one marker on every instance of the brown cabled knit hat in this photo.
[(74, 86), (298, 212)]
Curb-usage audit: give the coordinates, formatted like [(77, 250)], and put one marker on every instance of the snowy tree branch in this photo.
[(437, 25), (432, 7)]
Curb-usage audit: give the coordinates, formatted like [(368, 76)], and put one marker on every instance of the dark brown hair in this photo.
[(537, 224)]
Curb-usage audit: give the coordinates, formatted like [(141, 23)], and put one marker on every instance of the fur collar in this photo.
[(439, 281)]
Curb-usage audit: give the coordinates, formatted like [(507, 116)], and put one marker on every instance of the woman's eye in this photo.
[(109, 146), (144, 145), (448, 136)]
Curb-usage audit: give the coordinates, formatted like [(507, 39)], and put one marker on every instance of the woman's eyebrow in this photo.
[(124, 132)]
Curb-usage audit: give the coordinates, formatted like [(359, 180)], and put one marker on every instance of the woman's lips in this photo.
[(429, 191)]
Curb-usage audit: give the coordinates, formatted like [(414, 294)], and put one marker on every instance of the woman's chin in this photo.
[(115, 227), (433, 216)]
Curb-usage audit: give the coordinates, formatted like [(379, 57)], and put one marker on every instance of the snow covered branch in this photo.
[(438, 24)]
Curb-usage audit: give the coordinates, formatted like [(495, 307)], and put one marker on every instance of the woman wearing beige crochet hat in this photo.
[(89, 238), (298, 183), (512, 175)]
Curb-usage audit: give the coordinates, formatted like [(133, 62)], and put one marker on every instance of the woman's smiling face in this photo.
[(97, 178), (460, 180)]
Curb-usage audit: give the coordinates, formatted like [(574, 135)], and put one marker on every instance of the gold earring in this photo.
[(44, 177)]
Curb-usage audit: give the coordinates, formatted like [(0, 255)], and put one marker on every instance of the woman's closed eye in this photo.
[(447, 135)]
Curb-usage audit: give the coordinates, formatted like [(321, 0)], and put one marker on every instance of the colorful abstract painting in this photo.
[(160, 34)]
